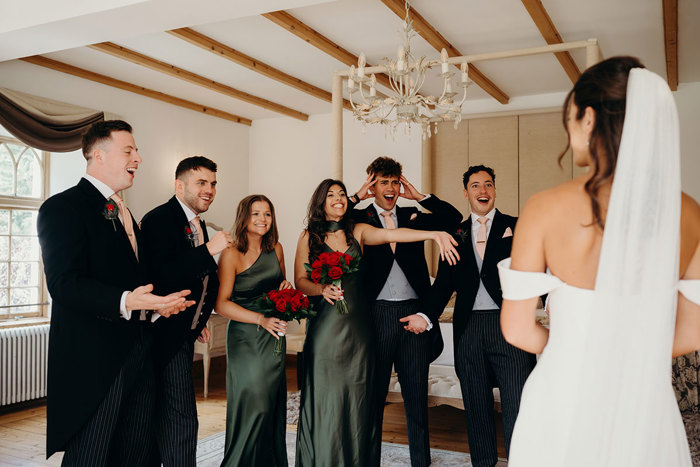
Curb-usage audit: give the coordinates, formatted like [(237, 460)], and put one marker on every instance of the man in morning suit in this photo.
[(180, 255), (100, 378), (483, 359), (397, 282)]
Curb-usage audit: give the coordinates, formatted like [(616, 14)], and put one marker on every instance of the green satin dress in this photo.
[(337, 417), (256, 385)]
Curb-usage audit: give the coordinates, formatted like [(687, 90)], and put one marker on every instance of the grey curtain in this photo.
[(45, 124)]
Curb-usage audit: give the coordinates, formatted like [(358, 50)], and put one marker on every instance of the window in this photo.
[(23, 187)]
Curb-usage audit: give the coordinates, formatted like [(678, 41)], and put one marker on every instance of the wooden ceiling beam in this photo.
[(109, 81), (550, 34), (318, 40), (434, 38), (222, 50), (670, 8), (163, 67)]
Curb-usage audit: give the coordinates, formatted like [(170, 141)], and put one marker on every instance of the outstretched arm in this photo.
[(369, 235), (518, 322)]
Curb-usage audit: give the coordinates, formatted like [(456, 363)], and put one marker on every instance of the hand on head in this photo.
[(366, 190), (409, 191)]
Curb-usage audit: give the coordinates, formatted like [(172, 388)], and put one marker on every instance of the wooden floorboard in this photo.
[(23, 441)]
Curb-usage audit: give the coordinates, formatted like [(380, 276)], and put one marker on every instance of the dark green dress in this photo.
[(337, 418), (256, 386)]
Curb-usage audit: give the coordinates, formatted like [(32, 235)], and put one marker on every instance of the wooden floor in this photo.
[(23, 430)]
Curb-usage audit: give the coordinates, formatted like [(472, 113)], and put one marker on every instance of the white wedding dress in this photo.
[(601, 392)]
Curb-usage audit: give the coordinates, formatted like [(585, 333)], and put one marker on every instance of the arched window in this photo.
[(23, 180)]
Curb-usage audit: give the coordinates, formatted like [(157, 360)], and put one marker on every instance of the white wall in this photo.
[(688, 103), (164, 133), (288, 159)]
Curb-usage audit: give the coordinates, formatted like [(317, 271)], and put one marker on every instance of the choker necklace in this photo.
[(333, 226)]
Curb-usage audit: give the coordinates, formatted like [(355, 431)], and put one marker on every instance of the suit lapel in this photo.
[(498, 227), (180, 219), (468, 253), (96, 201), (372, 217)]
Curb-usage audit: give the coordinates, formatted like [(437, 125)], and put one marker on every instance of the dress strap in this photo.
[(691, 290), (521, 285)]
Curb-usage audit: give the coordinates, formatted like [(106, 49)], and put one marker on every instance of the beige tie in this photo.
[(389, 220), (481, 237), (126, 221), (196, 223)]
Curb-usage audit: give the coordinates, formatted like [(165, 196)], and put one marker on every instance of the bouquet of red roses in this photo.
[(329, 268), (285, 304)]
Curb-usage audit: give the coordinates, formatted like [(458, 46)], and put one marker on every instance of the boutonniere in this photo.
[(111, 211), (191, 236), (370, 215), (463, 234)]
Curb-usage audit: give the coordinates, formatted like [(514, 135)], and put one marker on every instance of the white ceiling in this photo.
[(60, 32)]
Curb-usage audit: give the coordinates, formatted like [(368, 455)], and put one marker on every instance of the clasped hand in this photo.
[(141, 298)]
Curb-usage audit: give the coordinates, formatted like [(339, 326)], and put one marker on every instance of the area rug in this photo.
[(210, 451)]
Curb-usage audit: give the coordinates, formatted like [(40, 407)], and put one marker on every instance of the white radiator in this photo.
[(23, 362)]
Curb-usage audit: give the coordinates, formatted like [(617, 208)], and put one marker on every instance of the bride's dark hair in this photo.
[(316, 218), (603, 87)]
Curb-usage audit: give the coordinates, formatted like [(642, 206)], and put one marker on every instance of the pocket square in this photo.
[(507, 233), (413, 216)]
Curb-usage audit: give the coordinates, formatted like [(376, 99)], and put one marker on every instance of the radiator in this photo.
[(23, 362)]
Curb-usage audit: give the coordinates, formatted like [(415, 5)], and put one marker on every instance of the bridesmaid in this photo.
[(337, 419), (256, 385)]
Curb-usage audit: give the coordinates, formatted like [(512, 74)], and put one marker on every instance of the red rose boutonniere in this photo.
[(463, 234), (329, 268), (111, 211), (191, 236)]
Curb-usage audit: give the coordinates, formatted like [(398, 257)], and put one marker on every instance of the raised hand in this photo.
[(409, 191), (219, 242), (447, 245), (365, 190)]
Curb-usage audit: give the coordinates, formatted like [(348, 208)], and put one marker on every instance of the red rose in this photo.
[(305, 302), (348, 259), (295, 303), (281, 305), (316, 264), (187, 229), (335, 272), (110, 207), (316, 275), (334, 260)]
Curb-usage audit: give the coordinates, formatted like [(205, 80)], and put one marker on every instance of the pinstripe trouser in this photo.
[(176, 410), (410, 356), (483, 359), (120, 431)]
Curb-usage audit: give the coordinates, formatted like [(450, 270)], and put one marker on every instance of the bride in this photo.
[(616, 240)]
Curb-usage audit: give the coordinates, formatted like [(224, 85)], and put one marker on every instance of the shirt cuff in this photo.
[(426, 197), (427, 320), (126, 314)]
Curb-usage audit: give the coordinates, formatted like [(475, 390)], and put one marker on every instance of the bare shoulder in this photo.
[(278, 248), (690, 209), (230, 258)]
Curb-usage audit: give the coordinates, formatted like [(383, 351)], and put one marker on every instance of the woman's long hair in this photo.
[(316, 218), (603, 87), (240, 227)]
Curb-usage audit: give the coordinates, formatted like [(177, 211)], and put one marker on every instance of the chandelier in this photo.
[(406, 105)]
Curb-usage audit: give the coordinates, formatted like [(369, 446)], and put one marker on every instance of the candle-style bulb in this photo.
[(443, 54), (362, 61)]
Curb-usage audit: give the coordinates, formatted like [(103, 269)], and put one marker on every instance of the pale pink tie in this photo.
[(481, 237), (389, 220), (126, 220), (197, 224)]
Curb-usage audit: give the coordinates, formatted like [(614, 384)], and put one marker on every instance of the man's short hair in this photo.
[(477, 168), (385, 166), (100, 132), (194, 163)]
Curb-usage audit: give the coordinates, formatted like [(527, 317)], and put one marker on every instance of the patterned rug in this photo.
[(210, 451)]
